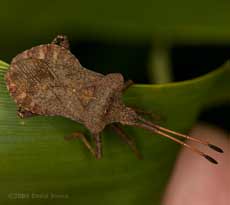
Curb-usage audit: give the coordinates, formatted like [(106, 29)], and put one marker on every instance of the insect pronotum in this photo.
[(49, 80)]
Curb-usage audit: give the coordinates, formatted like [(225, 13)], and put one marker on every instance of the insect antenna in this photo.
[(147, 125), (214, 147)]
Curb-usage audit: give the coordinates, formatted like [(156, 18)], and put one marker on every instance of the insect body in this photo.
[(49, 80)]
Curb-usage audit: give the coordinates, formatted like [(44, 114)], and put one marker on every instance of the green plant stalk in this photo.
[(159, 67)]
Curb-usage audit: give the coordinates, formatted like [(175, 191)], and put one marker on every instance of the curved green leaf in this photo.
[(35, 158)]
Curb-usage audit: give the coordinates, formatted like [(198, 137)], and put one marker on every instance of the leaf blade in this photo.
[(36, 159)]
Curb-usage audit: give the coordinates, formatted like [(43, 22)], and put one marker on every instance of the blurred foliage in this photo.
[(167, 19), (28, 22)]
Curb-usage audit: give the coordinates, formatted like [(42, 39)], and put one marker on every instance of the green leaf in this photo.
[(35, 158)]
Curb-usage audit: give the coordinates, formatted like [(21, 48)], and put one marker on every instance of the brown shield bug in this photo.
[(49, 80)]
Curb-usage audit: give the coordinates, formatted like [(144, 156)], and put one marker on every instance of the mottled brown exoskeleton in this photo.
[(49, 80)]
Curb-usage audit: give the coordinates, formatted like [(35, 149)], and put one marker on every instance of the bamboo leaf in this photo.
[(35, 158)]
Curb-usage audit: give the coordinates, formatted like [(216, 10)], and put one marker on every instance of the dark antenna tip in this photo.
[(217, 149), (210, 159)]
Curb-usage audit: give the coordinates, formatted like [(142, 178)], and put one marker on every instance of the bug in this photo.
[(49, 80)]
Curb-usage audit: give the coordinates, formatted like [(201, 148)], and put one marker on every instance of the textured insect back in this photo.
[(40, 74), (104, 97)]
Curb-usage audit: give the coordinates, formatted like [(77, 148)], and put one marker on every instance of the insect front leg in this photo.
[(61, 40), (153, 116), (121, 133)]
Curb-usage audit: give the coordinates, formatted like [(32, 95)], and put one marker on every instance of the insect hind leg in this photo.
[(22, 113)]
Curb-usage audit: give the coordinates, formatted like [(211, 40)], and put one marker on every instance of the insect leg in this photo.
[(24, 113), (61, 40), (126, 139), (152, 115), (79, 135), (127, 84), (98, 144)]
